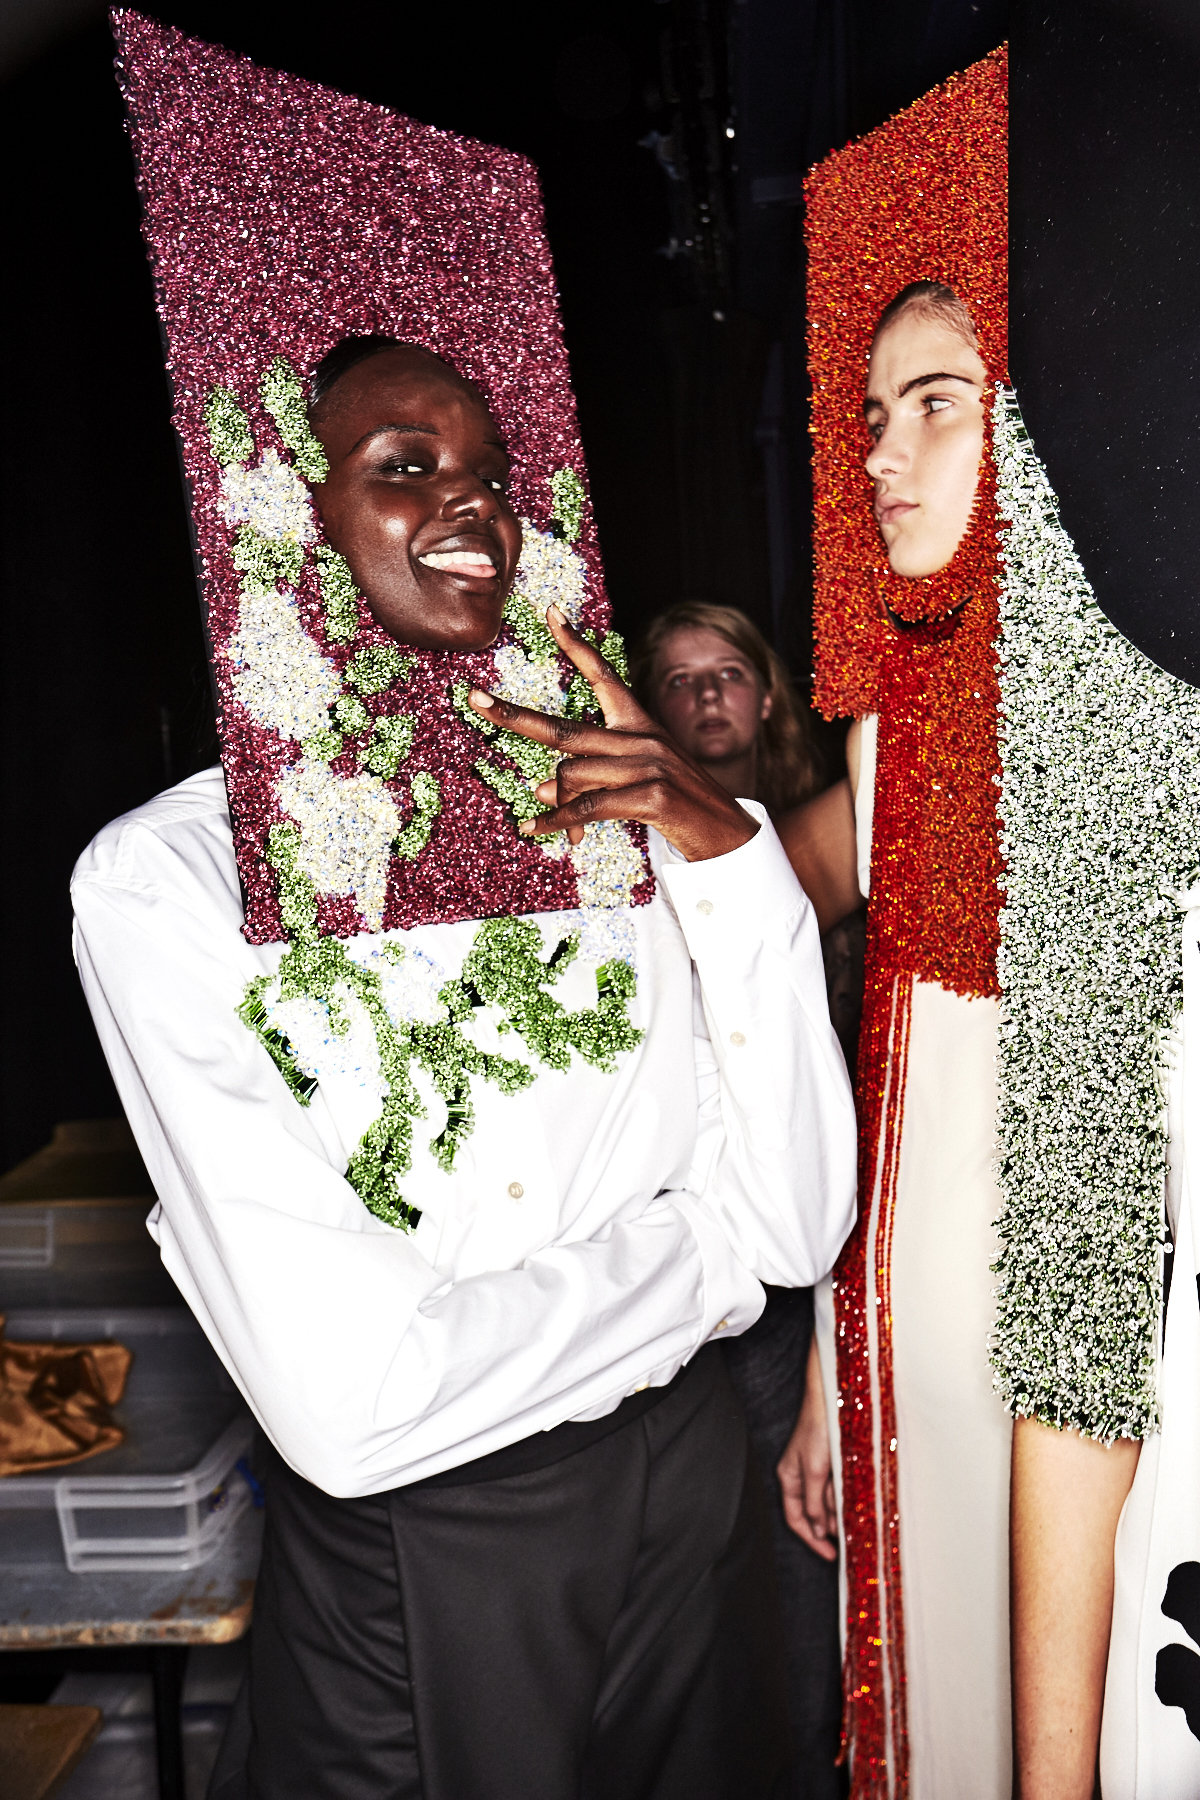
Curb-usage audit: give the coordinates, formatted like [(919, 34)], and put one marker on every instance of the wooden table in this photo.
[(40, 1745), (44, 1607)]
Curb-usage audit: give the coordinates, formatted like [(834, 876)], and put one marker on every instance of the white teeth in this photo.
[(469, 562)]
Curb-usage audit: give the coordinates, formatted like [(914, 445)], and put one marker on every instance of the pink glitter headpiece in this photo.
[(282, 217)]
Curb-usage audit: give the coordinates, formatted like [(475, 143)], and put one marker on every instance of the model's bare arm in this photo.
[(820, 841), (805, 1469), (1067, 1495), (627, 768)]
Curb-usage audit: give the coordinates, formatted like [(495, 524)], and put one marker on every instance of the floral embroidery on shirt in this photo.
[(337, 1008)]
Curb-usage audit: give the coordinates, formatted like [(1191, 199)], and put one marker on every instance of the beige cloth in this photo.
[(954, 1436), (55, 1400)]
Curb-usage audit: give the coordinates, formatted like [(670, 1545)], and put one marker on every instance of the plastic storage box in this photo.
[(167, 1496)]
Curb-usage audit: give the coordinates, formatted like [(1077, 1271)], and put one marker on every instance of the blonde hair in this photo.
[(789, 769)]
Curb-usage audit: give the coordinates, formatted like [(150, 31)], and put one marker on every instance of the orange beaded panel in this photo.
[(922, 198)]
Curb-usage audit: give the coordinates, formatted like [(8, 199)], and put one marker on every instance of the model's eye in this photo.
[(875, 430), (936, 403), (497, 483), (733, 675), (397, 466), (678, 681)]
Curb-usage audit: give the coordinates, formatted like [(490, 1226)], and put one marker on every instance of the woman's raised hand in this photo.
[(627, 768)]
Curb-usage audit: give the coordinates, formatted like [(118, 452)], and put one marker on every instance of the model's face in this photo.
[(416, 500), (924, 411), (708, 695)]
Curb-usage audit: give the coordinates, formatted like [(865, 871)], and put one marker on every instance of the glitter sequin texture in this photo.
[(282, 216), (922, 198), (1101, 835)]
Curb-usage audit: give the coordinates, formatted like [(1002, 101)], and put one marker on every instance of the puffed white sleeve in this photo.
[(776, 1153)]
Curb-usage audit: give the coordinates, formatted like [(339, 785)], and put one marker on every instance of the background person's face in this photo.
[(924, 411), (708, 695), (415, 500)]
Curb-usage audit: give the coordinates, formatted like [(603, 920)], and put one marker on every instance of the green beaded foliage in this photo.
[(323, 746), (567, 491), (377, 668), (530, 630), (228, 428), (339, 595), (581, 699), (503, 970), (253, 1014), (283, 397), (512, 790), (427, 804), (266, 561), (1101, 758), (536, 762), (612, 649), (350, 715), (391, 741)]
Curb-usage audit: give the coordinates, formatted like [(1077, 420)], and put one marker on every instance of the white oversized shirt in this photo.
[(596, 1229)]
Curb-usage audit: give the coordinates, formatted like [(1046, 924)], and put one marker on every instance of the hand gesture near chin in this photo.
[(627, 768)]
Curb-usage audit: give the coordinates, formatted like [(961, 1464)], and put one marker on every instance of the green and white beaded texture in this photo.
[(374, 1010), (1100, 805)]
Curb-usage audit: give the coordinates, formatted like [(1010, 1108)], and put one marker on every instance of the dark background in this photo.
[(671, 136), (1104, 256)]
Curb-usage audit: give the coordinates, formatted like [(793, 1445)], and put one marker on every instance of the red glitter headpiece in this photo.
[(282, 217), (923, 198)]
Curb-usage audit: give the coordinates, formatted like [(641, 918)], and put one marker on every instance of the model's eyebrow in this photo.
[(870, 404), (382, 431), (424, 430), (735, 660)]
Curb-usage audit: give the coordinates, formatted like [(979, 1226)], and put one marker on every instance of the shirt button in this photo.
[(515, 1191), (723, 1325), (737, 1039), (704, 906), (642, 1386)]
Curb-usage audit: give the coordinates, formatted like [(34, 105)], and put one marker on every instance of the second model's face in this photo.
[(416, 500), (708, 695), (924, 412)]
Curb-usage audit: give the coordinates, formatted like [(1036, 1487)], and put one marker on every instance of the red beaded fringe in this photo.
[(874, 1671)]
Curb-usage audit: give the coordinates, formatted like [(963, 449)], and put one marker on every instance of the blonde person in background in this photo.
[(710, 677)]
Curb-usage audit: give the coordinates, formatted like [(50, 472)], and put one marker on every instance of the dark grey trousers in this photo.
[(602, 1629), (767, 1368)]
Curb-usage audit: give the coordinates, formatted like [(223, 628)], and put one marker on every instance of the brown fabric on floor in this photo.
[(55, 1402)]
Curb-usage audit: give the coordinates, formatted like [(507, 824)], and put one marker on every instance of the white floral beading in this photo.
[(348, 1050), (608, 865), (549, 573), (410, 980), (271, 498), (527, 682), (1101, 824), (279, 675), (347, 826)]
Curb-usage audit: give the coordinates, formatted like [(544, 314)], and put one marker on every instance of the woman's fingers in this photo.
[(642, 801), (627, 768), (621, 711), (574, 737), (579, 775)]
